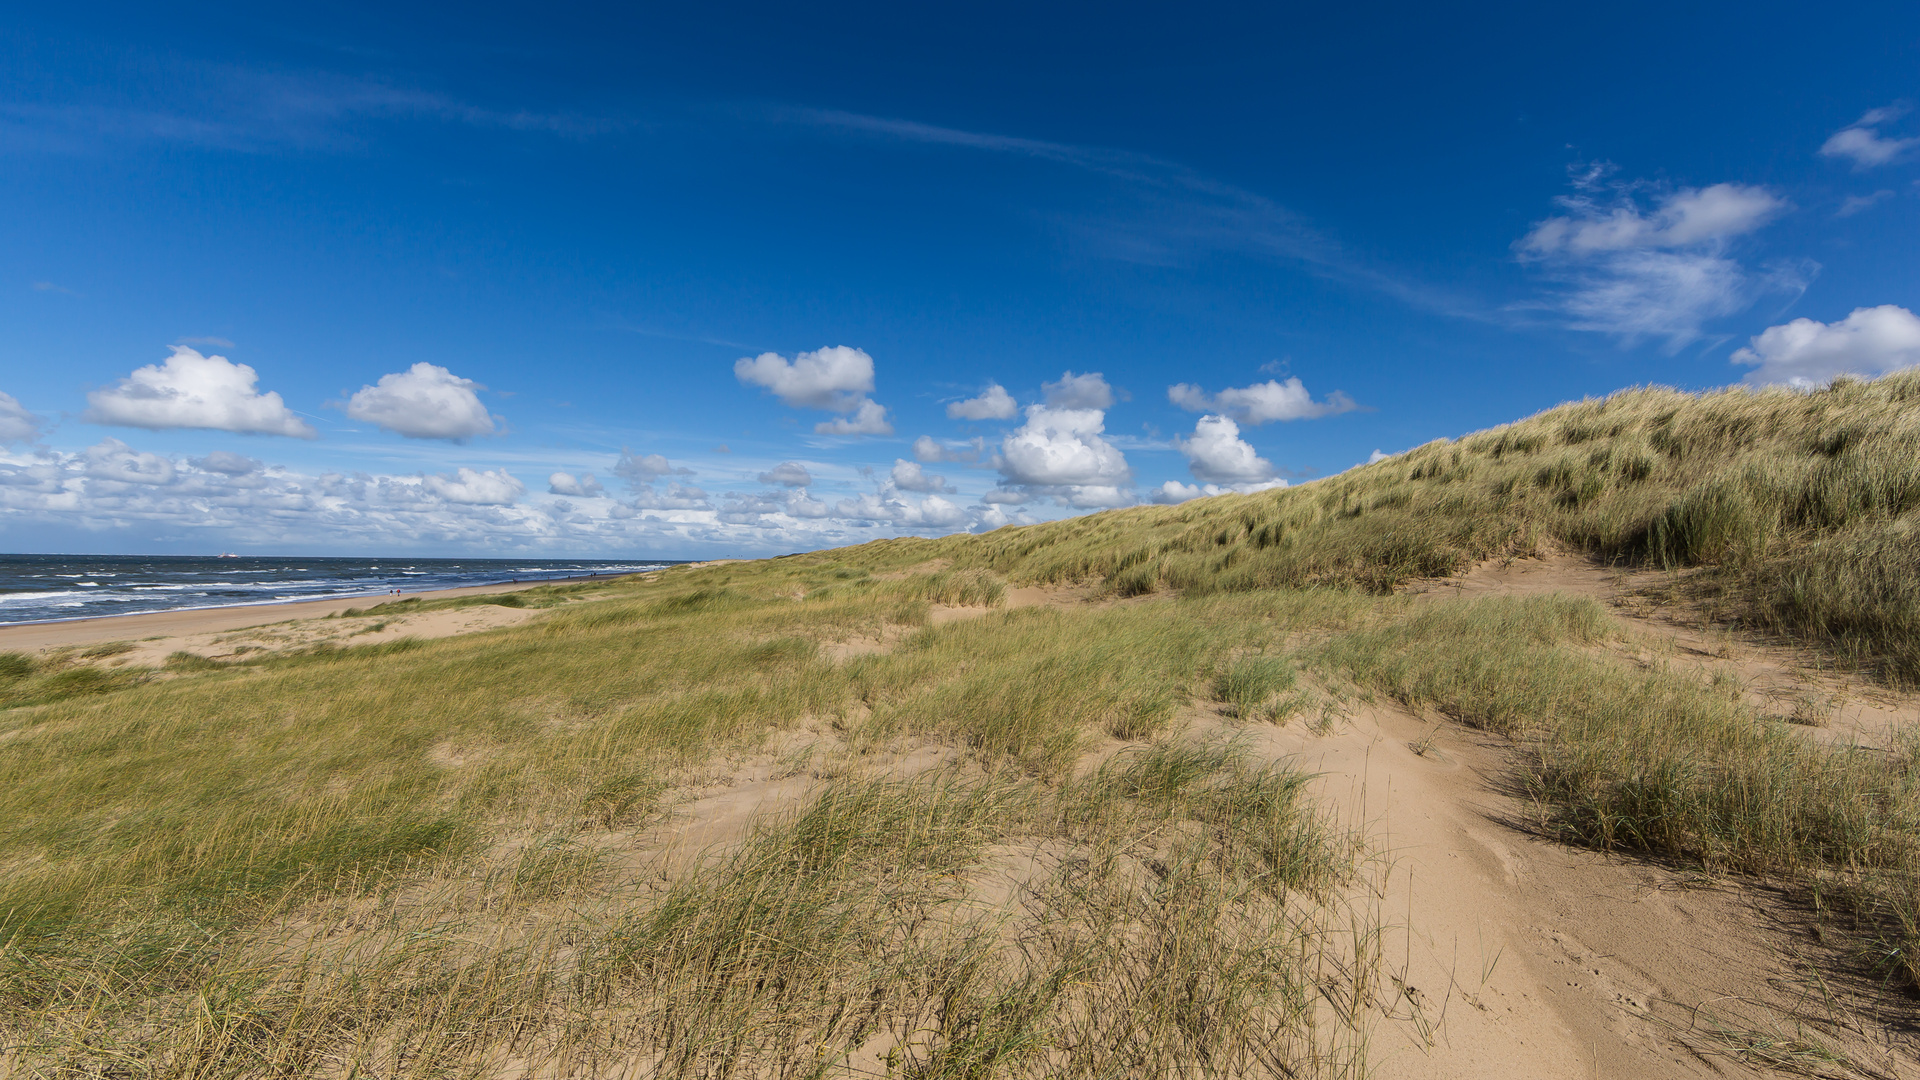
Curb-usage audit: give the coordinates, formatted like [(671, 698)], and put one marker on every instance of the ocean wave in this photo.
[(34, 588)]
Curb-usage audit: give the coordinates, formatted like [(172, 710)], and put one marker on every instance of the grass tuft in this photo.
[(1659, 762), (1252, 682)]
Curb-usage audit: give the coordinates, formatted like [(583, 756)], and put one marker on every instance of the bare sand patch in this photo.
[(931, 566), (1508, 954), (1026, 596), (852, 647), (710, 814), (1532, 958)]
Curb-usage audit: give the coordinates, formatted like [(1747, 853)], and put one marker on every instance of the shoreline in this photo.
[(95, 629)]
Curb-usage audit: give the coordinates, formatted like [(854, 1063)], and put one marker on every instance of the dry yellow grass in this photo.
[(400, 857), (449, 857), (1801, 504)]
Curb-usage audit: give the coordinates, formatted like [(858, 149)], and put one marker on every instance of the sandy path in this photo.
[(1507, 955), (1510, 955)]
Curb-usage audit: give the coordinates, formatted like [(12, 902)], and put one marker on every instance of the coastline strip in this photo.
[(31, 637)]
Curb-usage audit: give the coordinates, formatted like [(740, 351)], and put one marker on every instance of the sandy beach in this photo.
[(34, 637)]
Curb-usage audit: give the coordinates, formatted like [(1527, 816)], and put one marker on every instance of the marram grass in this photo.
[(442, 858), (398, 857), (1801, 506)]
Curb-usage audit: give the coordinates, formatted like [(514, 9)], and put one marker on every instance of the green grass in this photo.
[(153, 833), (439, 857), (15, 666), (1660, 761), (1798, 504), (26, 681), (1252, 682), (537, 596)]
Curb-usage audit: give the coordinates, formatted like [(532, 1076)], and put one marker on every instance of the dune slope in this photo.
[(1579, 746)]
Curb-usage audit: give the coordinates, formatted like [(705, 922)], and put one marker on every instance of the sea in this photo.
[(44, 588)]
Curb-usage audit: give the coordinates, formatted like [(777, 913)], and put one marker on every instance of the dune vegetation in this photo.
[(1800, 506), (989, 840)]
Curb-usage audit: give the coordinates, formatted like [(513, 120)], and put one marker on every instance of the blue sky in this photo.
[(731, 279)]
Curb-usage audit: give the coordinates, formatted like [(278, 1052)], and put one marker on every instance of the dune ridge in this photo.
[(1582, 746)]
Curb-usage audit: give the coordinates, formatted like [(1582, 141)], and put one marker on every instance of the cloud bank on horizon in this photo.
[(459, 310)]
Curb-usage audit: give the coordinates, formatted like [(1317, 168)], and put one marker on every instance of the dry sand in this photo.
[(230, 631), (1508, 955), (1522, 957), (1511, 955)]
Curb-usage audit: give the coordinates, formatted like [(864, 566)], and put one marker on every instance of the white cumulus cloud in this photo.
[(802, 505), (987, 518), (495, 487), (1861, 142), (1216, 452), (1089, 391), (17, 425), (788, 474), (1173, 491), (189, 390), (1807, 353), (994, 404), (584, 486), (908, 476), (933, 512), (1659, 271), (869, 418), (641, 471), (425, 401), (932, 451), (1059, 453), (1261, 402), (939, 513), (836, 379), (1062, 446), (1669, 295)]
